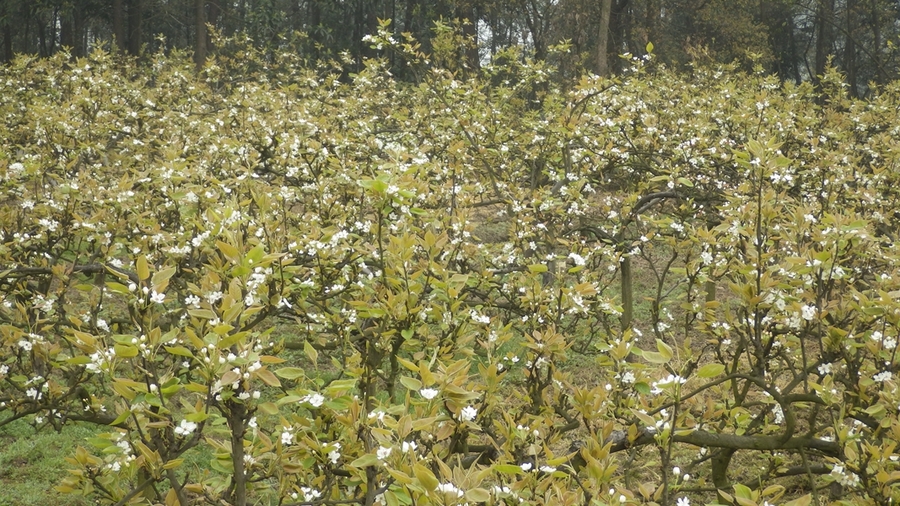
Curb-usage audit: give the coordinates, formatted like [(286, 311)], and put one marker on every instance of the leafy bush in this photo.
[(282, 288)]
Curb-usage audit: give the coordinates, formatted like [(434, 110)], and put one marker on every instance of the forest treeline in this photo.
[(794, 39)]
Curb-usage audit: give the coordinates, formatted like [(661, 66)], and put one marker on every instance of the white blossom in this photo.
[(449, 488), (310, 494), (383, 452), (808, 312), (185, 427), (314, 399), (577, 259)]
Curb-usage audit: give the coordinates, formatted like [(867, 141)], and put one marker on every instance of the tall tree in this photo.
[(135, 26), (824, 35), (603, 38), (778, 18), (200, 35), (118, 25), (849, 59)]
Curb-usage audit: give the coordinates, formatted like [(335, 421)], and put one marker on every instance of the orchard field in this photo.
[(266, 283)]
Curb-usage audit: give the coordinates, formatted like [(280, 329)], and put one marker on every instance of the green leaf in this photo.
[(173, 464), (369, 459), (143, 269), (121, 418), (204, 314), (478, 495), (310, 352), (125, 351), (196, 417), (170, 389), (537, 268), (664, 349), (508, 469), (649, 48), (181, 351), (118, 288), (160, 278), (654, 357), (288, 399), (255, 255), (391, 498), (289, 373), (800, 501), (228, 251), (710, 370), (773, 490), (411, 383), (642, 388), (644, 418), (743, 491), (428, 480), (335, 388), (268, 408)]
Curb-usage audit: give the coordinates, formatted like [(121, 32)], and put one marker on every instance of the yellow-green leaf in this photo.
[(710, 370), (125, 351), (143, 269), (428, 480), (289, 373)]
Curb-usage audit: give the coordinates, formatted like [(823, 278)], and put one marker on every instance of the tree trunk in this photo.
[(824, 35), (654, 11), (535, 24), (7, 43), (408, 13), (42, 38), (80, 34), (200, 33), (237, 425), (795, 54), (118, 19), (67, 30), (212, 16), (313, 27), (720, 463), (627, 293), (603, 38), (850, 49), (875, 21), (618, 21), (135, 32)]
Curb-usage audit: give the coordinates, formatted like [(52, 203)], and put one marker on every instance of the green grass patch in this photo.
[(31, 464)]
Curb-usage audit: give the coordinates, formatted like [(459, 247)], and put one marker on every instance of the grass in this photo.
[(31, 464)]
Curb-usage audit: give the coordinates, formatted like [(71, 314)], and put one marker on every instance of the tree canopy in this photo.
[(794, 39)]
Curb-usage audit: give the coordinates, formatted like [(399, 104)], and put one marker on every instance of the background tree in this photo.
[(793, 39)]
